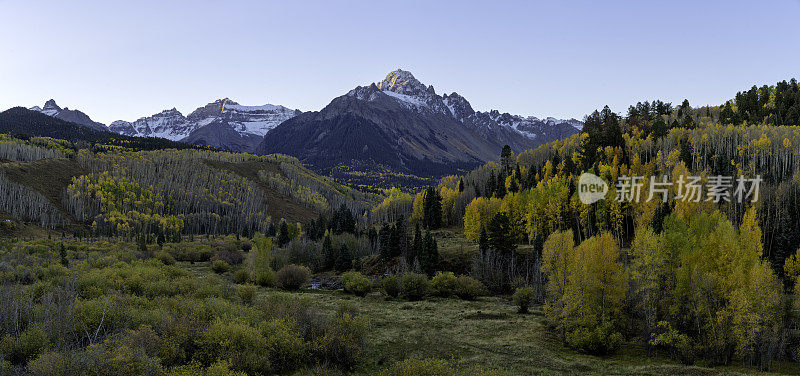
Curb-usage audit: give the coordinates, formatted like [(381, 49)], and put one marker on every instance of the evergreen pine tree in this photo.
[(328, 254), (62, 252), (501, 185), (283, 234), (432, 209), (394, 243), (490, 185), (483, 241), (344, 260), (506, 159), (513, 187), (384, 238), (499, 234), (430, 255), (416, 247), (659, 127)]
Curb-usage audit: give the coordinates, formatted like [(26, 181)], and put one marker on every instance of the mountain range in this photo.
[(397, 124), (222, 123), (402, 125)]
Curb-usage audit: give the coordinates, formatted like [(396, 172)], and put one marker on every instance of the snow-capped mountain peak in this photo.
[(50, 108), (403, 82), (248, 122), (458, 105), (405, 89)]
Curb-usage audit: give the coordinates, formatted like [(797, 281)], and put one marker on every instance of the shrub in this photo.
[(292, 277), (678, 344), (414, 286), (27, 346), (356, 283), (598, 340), (246, 245), (230, 256), (391, 286), (260, 260), (238, 343), (241, 276), (109, 359), (285, 348), (247, 293), (343, 340), (219, 266), (189, 251), (469, 288), (443, 284), (264, 277), (49, 364), (165, 258), (523, 298)]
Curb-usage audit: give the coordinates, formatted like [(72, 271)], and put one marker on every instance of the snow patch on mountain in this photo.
[(171, 124), (404, 88), (407, 100)]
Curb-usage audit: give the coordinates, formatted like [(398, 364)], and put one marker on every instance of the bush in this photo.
[(49, 364), (264, 277), (443, 284), (469, 288), (414, 286), (238, 343), (246, 245), (678, 344), (189, 251), (230, 256), (165, 257), (247, 293), (391, 286), (523, 298), (241, 276), (28, 345), (285, 348), (219, 266), (343, 340), (292, 277), (599, 340), (356, 283)]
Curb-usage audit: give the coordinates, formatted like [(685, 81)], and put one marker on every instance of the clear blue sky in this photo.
[(123, 60)]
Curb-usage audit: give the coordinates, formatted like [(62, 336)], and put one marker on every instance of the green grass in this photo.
[(486, 334)]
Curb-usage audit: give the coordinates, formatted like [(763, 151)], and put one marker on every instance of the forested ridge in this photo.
[(164, 193)]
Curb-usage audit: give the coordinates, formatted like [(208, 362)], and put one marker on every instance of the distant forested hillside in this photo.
[(115, 191)]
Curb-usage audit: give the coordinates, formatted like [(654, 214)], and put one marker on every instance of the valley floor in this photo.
[(487, 335)]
